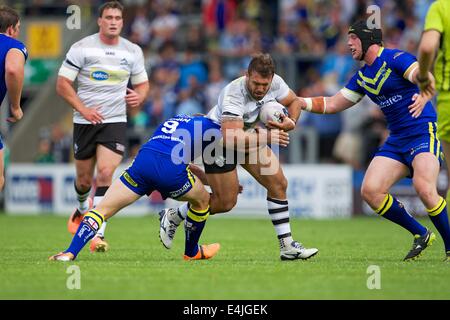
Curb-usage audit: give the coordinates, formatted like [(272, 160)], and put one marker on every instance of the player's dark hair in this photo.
[(263, 64), (109, 5), (8, 18)]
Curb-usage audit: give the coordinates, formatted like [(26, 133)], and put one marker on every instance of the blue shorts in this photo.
[(1, 143), (404, 148), (152, 170)]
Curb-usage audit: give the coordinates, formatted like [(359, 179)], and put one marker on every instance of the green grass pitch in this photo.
[(247, 266)]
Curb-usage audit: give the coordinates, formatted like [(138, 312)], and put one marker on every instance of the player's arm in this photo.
[(235, 137), (136, 96), (64, 88), (139, 80), (342, 100), (294, 109), (14, 75), (428, 46), (420, 100)]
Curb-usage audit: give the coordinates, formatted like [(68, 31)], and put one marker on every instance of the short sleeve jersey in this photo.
[(103, 72), (384, 83), (6, 44), (184, 137), (235, 100)]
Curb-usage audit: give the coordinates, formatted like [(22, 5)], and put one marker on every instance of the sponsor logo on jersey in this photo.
[(387, 102), (99, 75), (424, 145)]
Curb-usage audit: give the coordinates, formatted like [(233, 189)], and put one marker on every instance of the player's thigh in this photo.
[(382, 174), (107, 162), (426, 169), (117, 197), (225, 190), (267, 170)]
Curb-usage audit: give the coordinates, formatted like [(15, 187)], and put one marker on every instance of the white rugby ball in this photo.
[(272, 111)]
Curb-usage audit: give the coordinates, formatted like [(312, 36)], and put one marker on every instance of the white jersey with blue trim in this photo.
[(103, 72), (235, 100)]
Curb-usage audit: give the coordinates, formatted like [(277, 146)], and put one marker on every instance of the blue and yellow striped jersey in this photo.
[(184, 137), (7, 43), (384, 82)]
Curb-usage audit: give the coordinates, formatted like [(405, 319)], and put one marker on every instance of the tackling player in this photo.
[(436, 38), (13, 55), (412, 148), (237, 110), (162, 164), (102, 63)]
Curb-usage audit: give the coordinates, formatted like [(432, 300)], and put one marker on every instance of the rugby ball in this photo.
[(272, 111)]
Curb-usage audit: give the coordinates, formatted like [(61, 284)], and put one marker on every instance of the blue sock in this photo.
[(439, 217), (86, 231), (193, 226), (394, 211)]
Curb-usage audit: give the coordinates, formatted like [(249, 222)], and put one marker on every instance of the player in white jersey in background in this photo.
[(237, 110), (102, 63)]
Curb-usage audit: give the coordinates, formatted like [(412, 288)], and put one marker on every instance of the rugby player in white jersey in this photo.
[(237, 110), (102, 64)]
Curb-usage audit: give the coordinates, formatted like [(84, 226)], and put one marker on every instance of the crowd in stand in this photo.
[(194, 48)]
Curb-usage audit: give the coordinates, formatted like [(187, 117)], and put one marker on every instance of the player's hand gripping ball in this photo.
[(272, 111)]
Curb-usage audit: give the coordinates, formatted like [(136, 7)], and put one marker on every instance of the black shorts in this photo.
[(87, 136), (220, 163)]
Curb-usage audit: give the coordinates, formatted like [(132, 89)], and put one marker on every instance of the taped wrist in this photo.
[(316, 105)]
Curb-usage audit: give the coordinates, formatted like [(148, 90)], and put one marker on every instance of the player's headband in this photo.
[(368, 36)]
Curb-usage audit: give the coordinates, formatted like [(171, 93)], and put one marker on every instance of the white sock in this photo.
[(101, 231), (180, 214), (83, 207), (279, 213), (83, 199)]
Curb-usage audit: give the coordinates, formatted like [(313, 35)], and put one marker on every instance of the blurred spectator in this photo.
[(141, 28), (44, 154), (216, 14), (348, 147), (188, 105), (195, 39), (374, 134), (192, 66), (286, 41), (165, 25), (215, 84), (235, 49), (327, 127), (61, 144), (339, 62)]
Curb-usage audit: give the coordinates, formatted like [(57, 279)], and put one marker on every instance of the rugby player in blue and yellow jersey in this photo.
[(13, 55), (163, 164), (412, 149)]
